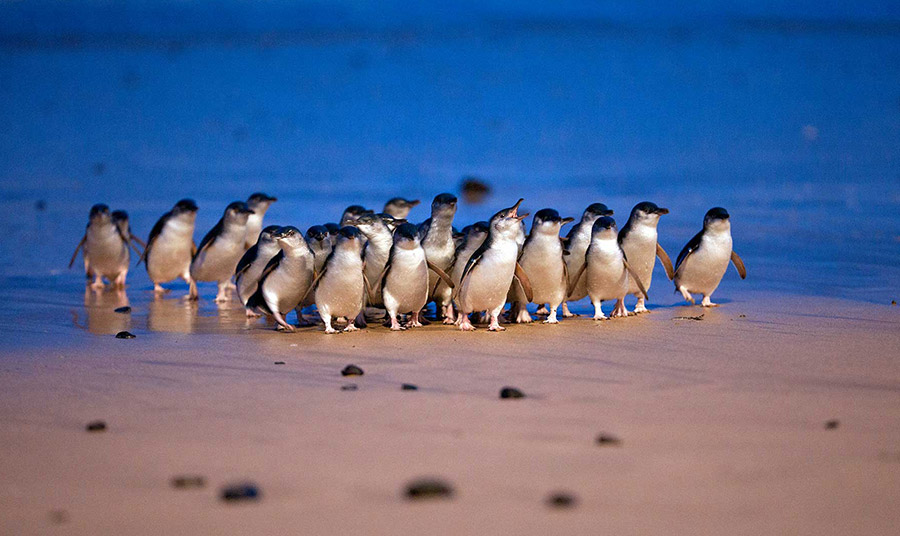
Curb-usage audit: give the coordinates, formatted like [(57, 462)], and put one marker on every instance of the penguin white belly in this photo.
[(254, 227), (170, 256), (284, 287), (574, 262), (107, 252), (545, 272), (703, 269), (605, 277), (249, 279), (218, 261), (406, 284), (485, 288), (640, 250), (340, 291)]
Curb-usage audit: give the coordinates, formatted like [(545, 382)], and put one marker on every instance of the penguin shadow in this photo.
[(100, 311), (172, 315)]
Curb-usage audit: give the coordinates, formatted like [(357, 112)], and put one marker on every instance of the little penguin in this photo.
[(318, 240), (606, 270), (639, 241), (376, 251), (120, 218), (352, 213), (221, 249), (259, 203), (250, 267), (287, 278), (399, 208), (171, 246), (104, 248), (333, 231), (405, 282), (703, 261), (340, 286), (473, 236), (391, 222), (577, 242), (437, 239), (488, 273), (542, 259)]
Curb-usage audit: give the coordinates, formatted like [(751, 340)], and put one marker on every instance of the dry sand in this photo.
[(721, 421)]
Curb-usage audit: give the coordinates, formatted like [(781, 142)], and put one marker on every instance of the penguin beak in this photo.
[(567, 220), (413, 203), (515, 209), (662, 211)]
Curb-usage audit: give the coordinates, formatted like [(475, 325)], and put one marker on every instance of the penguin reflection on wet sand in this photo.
[(640, 242), (259, 203), (250, 267), (221, 249), (577, 242), (287, 278), (105, 247), (703, 261), (542, 259), (340, 287), (171, 246), (606, 272), (488, 273)]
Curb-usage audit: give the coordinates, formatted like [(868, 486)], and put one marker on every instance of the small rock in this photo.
[(40, 205), (96, 426), (409, 387), (893, 302), (742, 316), (349, 387), (608, 440), (511, 392), (279, 362), (188, 481), (352, 370), (428, 488), (240, 492), (125, 309), (832, 424), (561, 500), (125, 335), (59, 517), (474, 190)]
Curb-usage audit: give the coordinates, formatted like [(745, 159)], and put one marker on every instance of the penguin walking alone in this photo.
[(250, 268), (221, 249), (542, 259), (577, 242), (287, 278), (105, 248), (703, 261), (259, 203), (640, 242), (171, 246), (437, 239)]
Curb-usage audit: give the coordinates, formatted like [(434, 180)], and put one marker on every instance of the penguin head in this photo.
[(508, 222), (443, 205), (349, 236), (289, 238), (332, 228), (352, 213), (548, 221), (119, 216), (260, 200), (717, 219), (398, 203), (99, 213), (594, 211), (369, 224), (647, 212), (237, 212), (317, 233), (406, 236), (478, 228), (391, 222), (185, 206), (268, 234), (604, 227)]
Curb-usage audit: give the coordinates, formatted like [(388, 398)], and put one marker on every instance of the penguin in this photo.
[(391, 222), (606, 270), (437, 239), (170, 247), (703, 261), (287, 278), (318, 240), (104, 249), (120, 218), (473, 236), (517, 308), (259, 203), (486, 278), (376, 251), (333, 231), (221, 249), (577, 241), (639, 241), (542, 259), (340, 286), (250, 268), (404, 285), (399, 208), (352, 213)]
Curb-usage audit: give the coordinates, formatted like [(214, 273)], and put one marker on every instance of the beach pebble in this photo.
[(59, 517), (125, 335), (352, 370), (409, 387), (240, 492), (349, 387), (279, 362), (188, 481), (428, 488), (832, 424), (608, 440), (125, 309), (96, 426), (511, 392), (562, 500)]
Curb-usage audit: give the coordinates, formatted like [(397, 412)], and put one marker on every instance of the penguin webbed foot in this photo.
[(350, 327), (708, 303), (542, 310)]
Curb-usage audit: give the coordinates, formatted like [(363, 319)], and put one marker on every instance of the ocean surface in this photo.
[(787, 116)]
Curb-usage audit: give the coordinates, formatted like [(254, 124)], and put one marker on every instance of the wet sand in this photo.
[(721, 422)]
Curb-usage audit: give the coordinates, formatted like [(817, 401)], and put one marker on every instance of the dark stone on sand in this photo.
[(474, 190), (409, 387), (893, 302), (96, 426), (428, 488), (352, 370), (608, 440), (279, 362), (562, 500), (188, 481), (125, 335), (240, 492), (125, 309), (58, 517), (349, 387), (832, 424), (40, 205), (511, 392)]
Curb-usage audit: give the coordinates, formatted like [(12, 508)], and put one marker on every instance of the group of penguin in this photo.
[(379, 261)]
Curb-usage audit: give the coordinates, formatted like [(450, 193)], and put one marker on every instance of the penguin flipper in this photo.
[(138, 240), (470, 265), (79, 246), (689, 248), (193, 249), (523, 280), (666, 262), (739, 264), (155, 232), (246, 260), (209, 238), (315, 282), (370, 293), (440, 273), (257, 303), (637, 279), (574, 282)]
